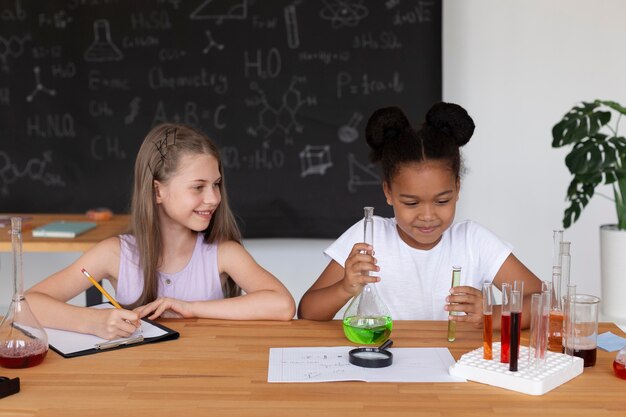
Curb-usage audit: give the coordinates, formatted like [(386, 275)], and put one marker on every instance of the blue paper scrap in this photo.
[(610, 342)]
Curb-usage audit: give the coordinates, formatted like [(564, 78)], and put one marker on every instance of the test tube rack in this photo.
[(529, 379)]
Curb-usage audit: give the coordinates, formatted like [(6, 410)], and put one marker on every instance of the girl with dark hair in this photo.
[(416, 250), (182, 256)]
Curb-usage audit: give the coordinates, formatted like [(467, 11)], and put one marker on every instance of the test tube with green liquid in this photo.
[(456, 281)]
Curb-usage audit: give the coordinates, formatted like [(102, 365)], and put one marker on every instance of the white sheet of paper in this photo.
[(327, 364), (70, 342)]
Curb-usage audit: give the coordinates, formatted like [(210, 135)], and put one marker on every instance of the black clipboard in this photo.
[(111, 345)]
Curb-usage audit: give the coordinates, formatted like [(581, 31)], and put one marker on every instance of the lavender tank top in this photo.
[(199, 280)]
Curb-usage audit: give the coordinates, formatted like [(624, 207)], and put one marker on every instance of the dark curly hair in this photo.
[(393, 142)]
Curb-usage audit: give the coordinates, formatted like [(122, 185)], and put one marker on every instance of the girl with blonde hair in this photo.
[(182, 256)]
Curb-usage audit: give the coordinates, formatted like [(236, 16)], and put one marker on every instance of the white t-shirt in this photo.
[(414, 283)]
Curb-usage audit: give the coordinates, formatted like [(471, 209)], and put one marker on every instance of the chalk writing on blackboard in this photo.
[(284, 88), (39, 87), (35, 169), (221, 10), (102, 48)]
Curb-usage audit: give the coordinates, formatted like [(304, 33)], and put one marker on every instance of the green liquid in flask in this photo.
[(367, 330)]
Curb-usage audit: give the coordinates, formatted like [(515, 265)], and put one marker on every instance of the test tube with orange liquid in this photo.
[(487, 321)]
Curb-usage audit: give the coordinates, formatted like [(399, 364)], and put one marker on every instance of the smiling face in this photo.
[(423, 196), (191, 195)]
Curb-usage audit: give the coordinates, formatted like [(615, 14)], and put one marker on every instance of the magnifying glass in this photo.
[(374, 357)]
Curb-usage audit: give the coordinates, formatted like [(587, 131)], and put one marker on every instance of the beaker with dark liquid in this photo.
[(583, 327), (23, 342), (367, 319)]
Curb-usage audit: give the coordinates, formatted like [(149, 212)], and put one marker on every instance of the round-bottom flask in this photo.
[(367, 320), (23, 342)]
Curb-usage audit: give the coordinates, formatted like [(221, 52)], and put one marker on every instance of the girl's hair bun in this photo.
[(383, 125), (451, 119)]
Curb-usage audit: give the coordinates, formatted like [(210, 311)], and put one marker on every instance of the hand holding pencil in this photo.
[(104, 292)]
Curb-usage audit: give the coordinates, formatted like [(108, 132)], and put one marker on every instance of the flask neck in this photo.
[(16, 240)]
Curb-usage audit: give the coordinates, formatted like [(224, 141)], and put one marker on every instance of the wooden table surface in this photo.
[(219, 368), (104, 229)]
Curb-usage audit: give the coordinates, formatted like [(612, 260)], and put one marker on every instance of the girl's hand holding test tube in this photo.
[(468, 300)]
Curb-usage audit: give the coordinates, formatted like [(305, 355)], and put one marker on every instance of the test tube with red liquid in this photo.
[(505, 323)]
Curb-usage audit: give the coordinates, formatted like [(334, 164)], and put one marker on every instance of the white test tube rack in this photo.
[(557, 370)]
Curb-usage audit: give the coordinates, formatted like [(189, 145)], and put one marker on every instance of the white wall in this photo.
[(517, 66)]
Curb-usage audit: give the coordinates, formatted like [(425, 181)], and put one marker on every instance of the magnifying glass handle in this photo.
[(385, 345)]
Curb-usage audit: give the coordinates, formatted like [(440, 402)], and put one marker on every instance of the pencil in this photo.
[(102, 290)]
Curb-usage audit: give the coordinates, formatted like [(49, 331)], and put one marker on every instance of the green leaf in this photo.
[(585, 157), (620, 144), (595, 156), (612, 104), (578, 124), (610, 177)]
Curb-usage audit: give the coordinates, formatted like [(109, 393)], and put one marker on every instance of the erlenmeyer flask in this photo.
[(367, 319), (23, 342)]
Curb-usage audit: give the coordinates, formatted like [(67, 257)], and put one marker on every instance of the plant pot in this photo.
[(613, 273)]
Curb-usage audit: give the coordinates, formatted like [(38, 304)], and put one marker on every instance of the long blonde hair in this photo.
[(158, 159)]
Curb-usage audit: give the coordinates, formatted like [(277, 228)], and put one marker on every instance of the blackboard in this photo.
[(283, 87)]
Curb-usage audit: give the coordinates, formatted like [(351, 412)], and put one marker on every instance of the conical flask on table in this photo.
[(23, 342), (367, 319)]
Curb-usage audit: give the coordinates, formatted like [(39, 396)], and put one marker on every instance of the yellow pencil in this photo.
[(102, 290)]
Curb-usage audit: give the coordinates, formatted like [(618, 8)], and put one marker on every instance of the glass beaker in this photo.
[(584, 330), (367, 319), (23, 342)]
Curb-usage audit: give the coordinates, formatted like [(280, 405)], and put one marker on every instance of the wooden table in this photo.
[(219, 368), (104, 229)]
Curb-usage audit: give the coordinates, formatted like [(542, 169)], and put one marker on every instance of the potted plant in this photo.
[(598, 156)]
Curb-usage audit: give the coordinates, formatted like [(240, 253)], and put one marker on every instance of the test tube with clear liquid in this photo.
[(539, 324), (367, 319), (456, 281)]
